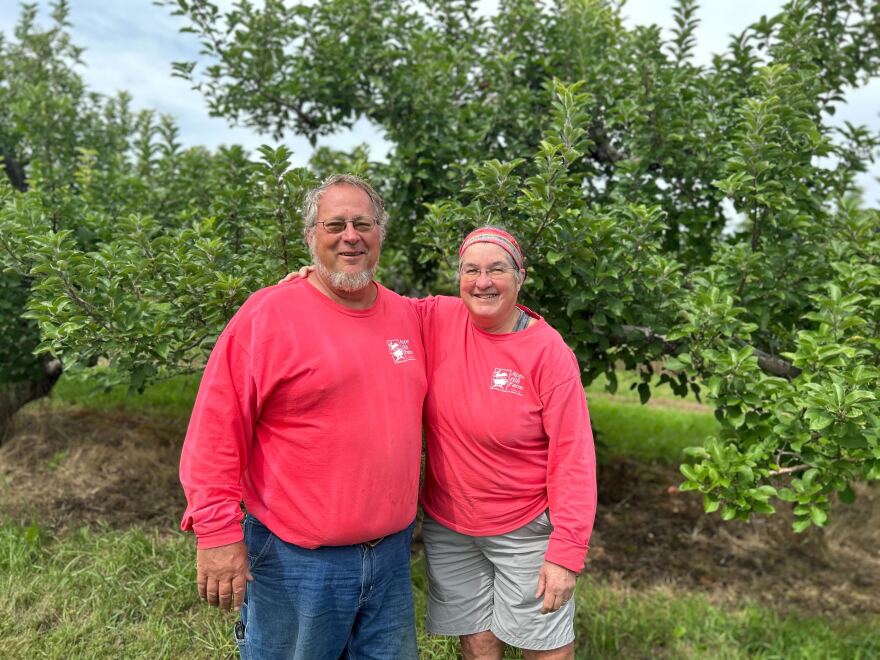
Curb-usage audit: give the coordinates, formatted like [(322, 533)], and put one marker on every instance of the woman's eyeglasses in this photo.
[(471, 274)]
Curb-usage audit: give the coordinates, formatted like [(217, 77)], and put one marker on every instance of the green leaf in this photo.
[(689, 472), (735, 416), (696, 452), (847, 495), (763, 507), (853, 441), (710, 504), (809, 475)]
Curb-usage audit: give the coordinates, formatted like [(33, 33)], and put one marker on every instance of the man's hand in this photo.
[(302, 272), (556, 584), (223, 575)]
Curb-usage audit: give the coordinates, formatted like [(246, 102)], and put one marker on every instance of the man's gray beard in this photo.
[(341, 281)]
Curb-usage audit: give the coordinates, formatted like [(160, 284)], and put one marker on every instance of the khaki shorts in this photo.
[(479, 583)]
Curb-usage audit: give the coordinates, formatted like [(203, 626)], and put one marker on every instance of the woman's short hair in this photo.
[(517, 273)]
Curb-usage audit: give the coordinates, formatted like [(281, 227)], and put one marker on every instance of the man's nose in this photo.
[(349, 235)]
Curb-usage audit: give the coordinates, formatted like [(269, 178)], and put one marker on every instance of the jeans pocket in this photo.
[(258, 538)]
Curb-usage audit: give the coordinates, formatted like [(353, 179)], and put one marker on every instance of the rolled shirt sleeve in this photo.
[(571, 473), (218, 440)]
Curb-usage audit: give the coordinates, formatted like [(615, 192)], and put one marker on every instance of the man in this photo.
[(310, 412)]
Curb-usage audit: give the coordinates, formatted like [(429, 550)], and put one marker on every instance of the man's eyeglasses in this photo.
[(495, 273), (337, 226)]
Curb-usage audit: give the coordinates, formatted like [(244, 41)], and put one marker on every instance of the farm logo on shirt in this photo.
[(507, 380), (399, 350)]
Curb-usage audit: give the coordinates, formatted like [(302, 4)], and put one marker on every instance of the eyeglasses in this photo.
[(337, 226), (494, 273)]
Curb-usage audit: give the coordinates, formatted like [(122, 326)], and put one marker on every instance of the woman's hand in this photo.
[(556, 584), (302, 272)]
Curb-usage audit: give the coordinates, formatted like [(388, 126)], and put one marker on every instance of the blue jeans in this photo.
[(351, 601)]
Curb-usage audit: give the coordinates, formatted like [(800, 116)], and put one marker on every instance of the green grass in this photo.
[(648, 433), (106, 593), (173, 397), (661, 623), (624, 427)]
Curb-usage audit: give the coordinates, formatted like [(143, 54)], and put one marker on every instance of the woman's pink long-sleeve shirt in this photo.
[(508, 431)]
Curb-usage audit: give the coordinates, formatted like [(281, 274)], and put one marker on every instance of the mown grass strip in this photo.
[(648, 433), (624, 427), (108, 593), (173, 397)]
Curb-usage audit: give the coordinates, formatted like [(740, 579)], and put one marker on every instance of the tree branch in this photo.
[(772, 364), (668, 347), (789, 470), (769, 364)]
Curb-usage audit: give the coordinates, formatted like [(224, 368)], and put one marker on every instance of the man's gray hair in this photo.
[(313, 196)]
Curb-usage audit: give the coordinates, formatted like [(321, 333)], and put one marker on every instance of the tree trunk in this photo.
[(15, 171), (14, 396)]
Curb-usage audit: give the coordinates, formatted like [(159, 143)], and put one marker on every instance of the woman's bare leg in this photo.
[(562, 653), (481, 646)]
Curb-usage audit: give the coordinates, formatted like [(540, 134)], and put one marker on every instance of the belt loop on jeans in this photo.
[(373, 543)]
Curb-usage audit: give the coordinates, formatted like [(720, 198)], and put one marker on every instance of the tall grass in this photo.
[(114, 594), (103, 594)]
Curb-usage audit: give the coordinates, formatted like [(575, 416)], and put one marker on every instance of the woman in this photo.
[(510, 488), (508, 442)]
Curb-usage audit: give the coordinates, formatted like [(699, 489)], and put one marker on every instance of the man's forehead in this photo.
[(346, 206), (346, 216), (344, 191)]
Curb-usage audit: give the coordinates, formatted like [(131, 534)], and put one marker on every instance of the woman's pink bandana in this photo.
[(498, 237)]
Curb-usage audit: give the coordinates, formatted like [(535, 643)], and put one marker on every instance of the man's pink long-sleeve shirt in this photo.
[(310, 412)]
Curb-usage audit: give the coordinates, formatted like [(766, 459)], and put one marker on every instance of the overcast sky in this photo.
[(130, 45)]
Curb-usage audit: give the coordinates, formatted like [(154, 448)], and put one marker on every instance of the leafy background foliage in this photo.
[(699, 225)]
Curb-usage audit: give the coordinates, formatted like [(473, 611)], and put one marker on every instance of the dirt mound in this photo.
[(68, 467), (648, 532)]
